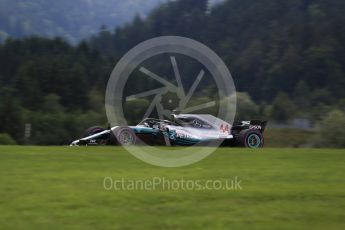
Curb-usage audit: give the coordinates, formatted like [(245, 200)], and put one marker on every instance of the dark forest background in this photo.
[(287, 59)]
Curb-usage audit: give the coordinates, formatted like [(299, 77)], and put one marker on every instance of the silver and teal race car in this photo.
[(181, 130)]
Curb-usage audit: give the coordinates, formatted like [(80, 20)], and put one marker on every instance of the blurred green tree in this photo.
[(332, 130), (6, 139), (283, 109), (11, 117), (246, 108)]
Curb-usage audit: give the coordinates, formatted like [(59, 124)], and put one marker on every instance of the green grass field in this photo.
[(62, 188)]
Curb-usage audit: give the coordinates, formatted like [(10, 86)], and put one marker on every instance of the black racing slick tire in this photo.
[(250, 138), (93, 130), (124, 136)]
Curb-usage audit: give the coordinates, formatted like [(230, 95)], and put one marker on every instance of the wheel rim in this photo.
[(253, 141), (126, 138)]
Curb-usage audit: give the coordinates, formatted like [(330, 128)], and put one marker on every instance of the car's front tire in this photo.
[(93, 130)]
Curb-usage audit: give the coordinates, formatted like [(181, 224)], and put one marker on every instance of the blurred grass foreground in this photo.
[(63, 188)]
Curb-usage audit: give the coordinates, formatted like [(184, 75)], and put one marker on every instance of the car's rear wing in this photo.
[(260, 123)]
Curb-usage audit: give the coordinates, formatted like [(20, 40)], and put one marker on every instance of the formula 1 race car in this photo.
[(182, 129)]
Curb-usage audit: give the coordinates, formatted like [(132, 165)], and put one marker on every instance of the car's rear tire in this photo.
[(93, 130), (124, 136), (250, 138)]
